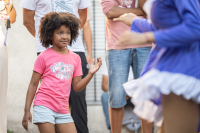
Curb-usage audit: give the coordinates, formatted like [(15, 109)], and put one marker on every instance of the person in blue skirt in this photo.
[(167, 92)]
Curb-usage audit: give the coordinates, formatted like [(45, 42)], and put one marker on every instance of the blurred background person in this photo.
[(120, 59), (87, 36), (7, 14), (131, 121)]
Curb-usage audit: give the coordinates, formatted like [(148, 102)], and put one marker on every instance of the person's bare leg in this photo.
[(46, 127), (116, 116), (180, 115), (146, 126), (160, 129), (66, 128)]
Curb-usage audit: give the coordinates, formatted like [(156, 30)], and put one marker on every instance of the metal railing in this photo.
[(97, 24)]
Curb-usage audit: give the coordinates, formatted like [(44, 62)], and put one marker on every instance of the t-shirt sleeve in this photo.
[(107, 5), (78, 68), (29, 4), (84, 4), (89, 15), (39, 65)]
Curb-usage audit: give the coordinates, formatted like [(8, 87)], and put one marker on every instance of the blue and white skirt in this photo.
[(146, 92)]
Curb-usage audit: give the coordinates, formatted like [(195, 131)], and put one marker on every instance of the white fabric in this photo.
[(2, 6), (105, 71), (104, 68), (130, 87), (89, 15), (3, 12), (147, 8), (136, 3), (149, 111), (154, 83), (130, 76), (43, 7), (3, 83)]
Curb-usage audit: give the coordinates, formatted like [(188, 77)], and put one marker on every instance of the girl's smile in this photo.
[(61, 37)]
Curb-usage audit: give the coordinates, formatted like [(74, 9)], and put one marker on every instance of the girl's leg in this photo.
[(180, 115), (66, 128), (146, 126), (160, 129), (46, 127)]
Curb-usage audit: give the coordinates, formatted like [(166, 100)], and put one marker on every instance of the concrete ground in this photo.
[(96, 121)]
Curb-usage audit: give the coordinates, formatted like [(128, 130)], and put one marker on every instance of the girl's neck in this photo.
[(60, 50)]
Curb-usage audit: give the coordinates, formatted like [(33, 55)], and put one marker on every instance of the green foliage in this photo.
[(9, 131)]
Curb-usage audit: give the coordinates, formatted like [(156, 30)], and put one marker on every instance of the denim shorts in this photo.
[(42, 114), (119, 63)]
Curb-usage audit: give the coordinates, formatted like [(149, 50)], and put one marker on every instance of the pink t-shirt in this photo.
[(115, 29), (57, 71)]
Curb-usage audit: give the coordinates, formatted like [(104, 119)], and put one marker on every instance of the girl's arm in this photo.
[(142, 25), (79, 84), (32, 90), (29, 99), (133, 38)]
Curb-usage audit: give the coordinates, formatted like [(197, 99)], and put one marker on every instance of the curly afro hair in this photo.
[(53, 21)]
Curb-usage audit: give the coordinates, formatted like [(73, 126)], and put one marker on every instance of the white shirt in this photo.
[(43, 7)]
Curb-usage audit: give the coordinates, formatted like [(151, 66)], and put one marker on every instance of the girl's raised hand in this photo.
[(27, 118), (95, 67)]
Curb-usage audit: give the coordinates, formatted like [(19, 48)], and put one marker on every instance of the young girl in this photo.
[(57, 67)]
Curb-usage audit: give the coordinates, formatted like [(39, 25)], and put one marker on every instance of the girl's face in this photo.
[(61, 37)]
